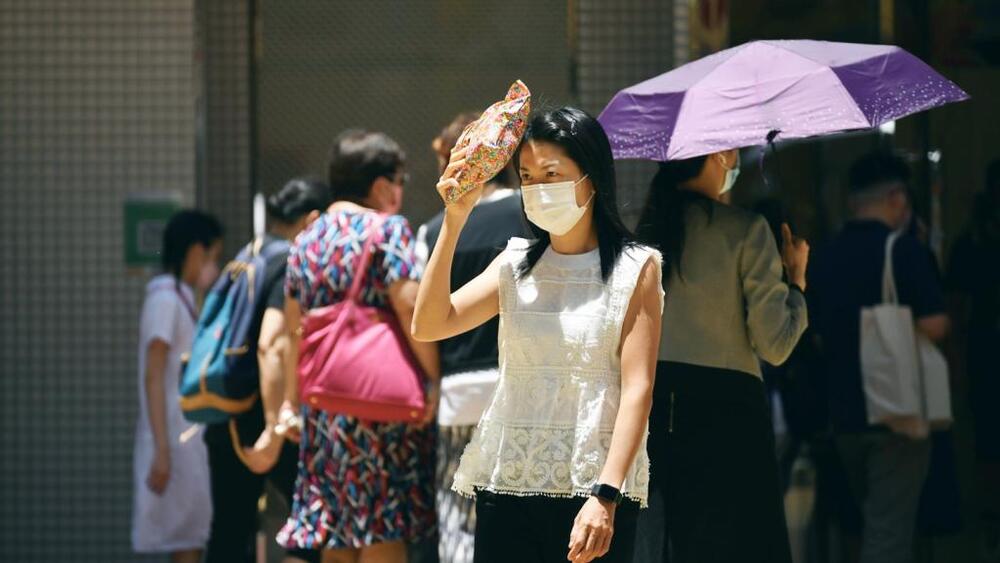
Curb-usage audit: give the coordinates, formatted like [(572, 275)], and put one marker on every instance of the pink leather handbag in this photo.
[(354, 359)]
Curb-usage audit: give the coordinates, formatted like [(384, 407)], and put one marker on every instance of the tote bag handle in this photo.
[(889, 292)]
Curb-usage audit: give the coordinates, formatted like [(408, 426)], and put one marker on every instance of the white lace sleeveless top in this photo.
[(548, 428)]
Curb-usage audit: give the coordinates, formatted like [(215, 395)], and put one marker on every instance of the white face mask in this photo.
[(731, 176), (552, 207)]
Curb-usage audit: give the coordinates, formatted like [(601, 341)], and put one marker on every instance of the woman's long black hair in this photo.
[(584, 140), (663, 220)]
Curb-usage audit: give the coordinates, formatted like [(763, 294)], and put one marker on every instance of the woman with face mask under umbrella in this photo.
[(727, 305), (558, 460), (711, 443)]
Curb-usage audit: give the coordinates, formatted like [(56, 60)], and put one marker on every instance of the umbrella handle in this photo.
[(771, 135)]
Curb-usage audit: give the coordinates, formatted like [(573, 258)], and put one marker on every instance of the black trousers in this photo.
[(712, 456), (236, 490), (535, 529)]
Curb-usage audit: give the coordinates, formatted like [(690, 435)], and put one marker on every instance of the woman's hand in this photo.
[(795, 256), (159, 472), (592, 531), (449, 180), (289, 422)]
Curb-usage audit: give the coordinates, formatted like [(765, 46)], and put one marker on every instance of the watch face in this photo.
[(606, 492)]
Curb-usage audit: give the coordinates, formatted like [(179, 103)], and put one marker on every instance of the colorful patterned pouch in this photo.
[(491, 140)]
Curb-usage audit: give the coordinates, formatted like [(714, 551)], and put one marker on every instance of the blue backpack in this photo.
[(220, 377)]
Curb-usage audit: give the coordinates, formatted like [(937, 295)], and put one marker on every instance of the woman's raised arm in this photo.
[(439, 313)]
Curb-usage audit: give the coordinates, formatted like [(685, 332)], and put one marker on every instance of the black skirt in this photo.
[(712, 455), (536, 529)]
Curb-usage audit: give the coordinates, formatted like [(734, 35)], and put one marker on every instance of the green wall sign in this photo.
[(145, 217)]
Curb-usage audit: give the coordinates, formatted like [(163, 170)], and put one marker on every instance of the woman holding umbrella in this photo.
[(726, 304)]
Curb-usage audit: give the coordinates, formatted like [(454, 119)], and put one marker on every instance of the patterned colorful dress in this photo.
[(360, 483)]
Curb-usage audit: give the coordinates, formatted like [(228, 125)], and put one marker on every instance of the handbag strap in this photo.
[(364, 261), (889, 293)]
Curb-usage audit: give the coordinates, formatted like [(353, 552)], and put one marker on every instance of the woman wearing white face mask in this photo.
[(711, 443), (558, 459)]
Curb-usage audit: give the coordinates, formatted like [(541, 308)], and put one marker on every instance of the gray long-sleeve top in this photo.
[(729, 305)]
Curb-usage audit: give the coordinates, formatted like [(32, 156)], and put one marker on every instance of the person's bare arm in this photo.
[(289, 424), (639, 348), (273, 352), (273, 348), (439, 313), (592, 530), (403, 297), (156, 410)]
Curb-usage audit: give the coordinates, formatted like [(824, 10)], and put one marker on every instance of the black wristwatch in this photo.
[(607, 492)]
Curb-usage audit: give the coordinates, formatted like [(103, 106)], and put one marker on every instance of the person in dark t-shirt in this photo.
[(237, 486), (886, 471), (469, 361)]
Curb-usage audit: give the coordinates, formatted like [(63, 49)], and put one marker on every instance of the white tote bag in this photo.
[(936, 384), (905, 377)]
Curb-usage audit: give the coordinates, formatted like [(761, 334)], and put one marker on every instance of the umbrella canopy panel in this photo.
[(734, 98)]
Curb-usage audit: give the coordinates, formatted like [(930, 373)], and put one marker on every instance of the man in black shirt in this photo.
[(886, 470)]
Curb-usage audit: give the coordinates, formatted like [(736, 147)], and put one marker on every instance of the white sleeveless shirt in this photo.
[(548, 428)]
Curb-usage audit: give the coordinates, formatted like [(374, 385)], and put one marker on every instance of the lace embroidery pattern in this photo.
[(548, 429)]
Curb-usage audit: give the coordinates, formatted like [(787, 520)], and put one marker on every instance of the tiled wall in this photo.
[(97, 101), (618, 44), (406, 68)]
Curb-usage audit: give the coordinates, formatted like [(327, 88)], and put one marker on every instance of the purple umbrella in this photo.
[(737, 97)]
